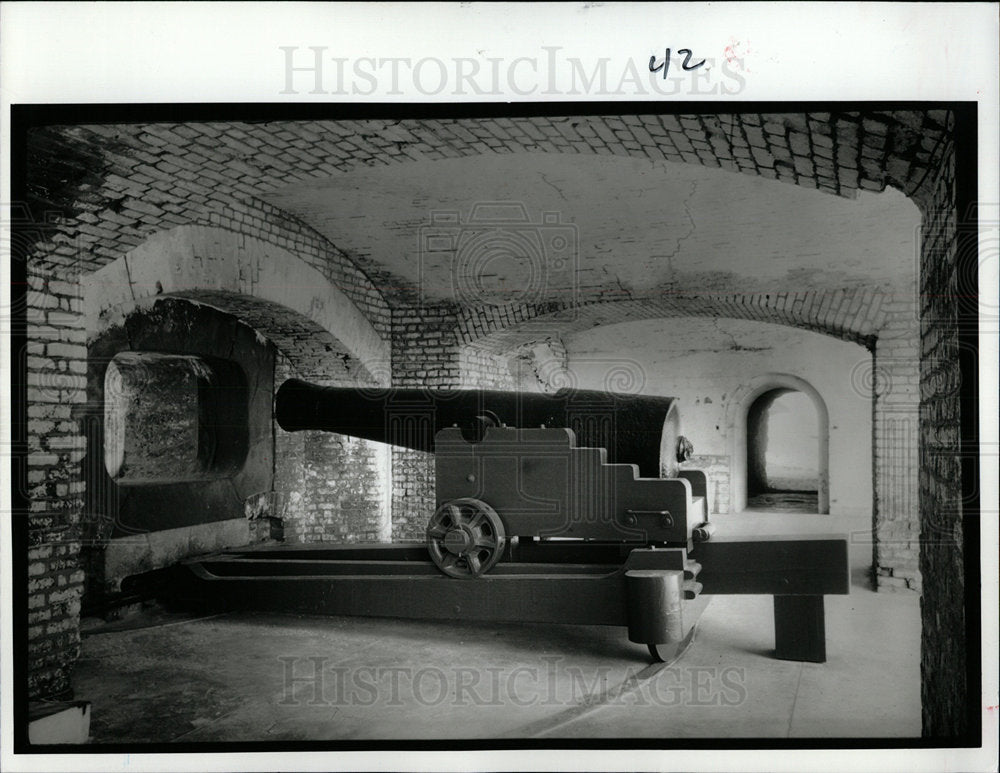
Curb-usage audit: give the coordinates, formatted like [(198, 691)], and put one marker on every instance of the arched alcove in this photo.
[(782, 454), (278, 294), (749, 408), (183, 455)]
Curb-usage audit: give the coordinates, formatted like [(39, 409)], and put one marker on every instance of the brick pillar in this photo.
[(328, 487), (425, 352), (949, 535), (56, 363), (289, 466), (896, 533)]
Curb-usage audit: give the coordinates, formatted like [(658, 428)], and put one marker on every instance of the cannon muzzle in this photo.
[(634, 429)]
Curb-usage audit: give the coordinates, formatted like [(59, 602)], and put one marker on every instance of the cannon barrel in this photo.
[(634, 429)]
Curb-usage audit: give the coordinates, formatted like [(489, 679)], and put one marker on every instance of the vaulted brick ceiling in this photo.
[(572, 222), (662, 205)]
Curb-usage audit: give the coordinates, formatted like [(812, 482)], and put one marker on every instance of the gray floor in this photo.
[(242, 677)]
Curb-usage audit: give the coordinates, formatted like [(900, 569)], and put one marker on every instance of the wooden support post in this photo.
[(799, 628)]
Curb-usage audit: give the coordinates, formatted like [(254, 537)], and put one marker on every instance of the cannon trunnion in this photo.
[(565, 508)]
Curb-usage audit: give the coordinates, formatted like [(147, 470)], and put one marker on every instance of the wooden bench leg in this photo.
[(799, 628)]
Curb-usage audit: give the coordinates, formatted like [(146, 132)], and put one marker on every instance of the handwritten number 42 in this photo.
[(665, 64)]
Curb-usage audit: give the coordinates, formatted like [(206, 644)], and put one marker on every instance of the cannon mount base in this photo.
[(658, 594)]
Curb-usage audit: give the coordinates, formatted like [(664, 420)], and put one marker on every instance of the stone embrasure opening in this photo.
[(170, 418)]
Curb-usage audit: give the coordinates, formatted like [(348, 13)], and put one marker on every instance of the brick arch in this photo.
[(315, 324), (852, 315)]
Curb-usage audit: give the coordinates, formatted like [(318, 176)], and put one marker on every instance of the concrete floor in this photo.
[(158, 677)]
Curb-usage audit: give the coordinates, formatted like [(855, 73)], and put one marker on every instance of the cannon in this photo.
[(569, 507), (636, 429), (513, 465)]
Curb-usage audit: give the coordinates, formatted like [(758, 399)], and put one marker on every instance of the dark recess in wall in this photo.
[(173, 325)]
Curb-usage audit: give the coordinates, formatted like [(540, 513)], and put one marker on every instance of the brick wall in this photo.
[(56, 362), (427, 352), (412, 493), (266, 286), (341, 497), (328, 487), (424, 353), (288, 505), (945, 647), (483, 369)]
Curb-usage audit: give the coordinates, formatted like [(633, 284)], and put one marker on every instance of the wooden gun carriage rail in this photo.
[(538, 581)]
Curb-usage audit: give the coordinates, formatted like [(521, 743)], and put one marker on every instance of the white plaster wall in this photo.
[(707, 363)]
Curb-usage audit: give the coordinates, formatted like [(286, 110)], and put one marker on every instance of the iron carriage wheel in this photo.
[(465, 537)]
